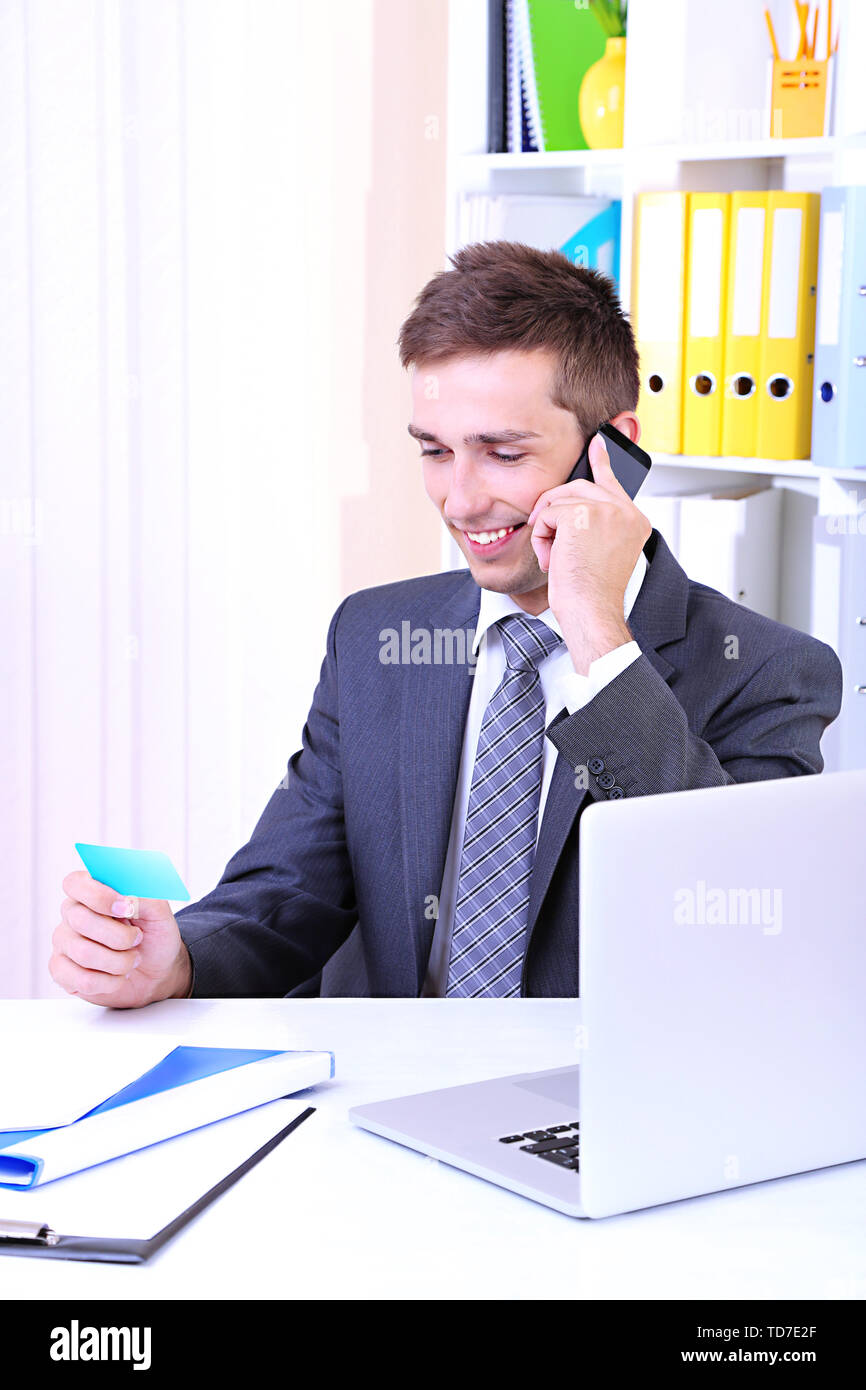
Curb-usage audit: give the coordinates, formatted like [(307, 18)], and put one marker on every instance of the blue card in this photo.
[(137, 873)]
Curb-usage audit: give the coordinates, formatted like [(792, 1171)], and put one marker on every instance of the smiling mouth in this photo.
[(481, 541)]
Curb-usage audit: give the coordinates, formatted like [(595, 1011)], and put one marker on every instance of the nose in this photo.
[(468, 499)]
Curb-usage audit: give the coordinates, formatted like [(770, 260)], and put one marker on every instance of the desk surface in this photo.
[(335, 1212)]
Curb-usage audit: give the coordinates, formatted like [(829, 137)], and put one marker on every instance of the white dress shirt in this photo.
[(562, 688)]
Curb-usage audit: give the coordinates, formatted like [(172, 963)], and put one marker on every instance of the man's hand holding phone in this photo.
[(118, 951), (587, 537)]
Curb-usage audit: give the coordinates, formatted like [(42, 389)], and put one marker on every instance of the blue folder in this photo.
[(839, 404), (183, 1065), (597, 242)]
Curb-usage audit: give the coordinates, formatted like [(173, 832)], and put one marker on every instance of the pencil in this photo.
[(802, 14), (772, 35)]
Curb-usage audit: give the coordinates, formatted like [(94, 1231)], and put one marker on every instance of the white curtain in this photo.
[(171, 420)]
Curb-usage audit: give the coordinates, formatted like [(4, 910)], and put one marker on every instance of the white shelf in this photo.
[(549, 159), (822, 146), (784, 468)]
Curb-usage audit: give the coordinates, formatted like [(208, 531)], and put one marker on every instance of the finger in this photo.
[(544, 528), (547, 520), (602, 472), (542, 548), (566, 492), (101, 898), (544, 532), (118, 935), (98, 896), (91, 956), (89, 984)]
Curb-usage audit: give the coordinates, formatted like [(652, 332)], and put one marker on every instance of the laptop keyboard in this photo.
[(559, 1144)]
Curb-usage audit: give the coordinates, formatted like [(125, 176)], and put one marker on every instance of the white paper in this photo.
[(137, 1195), (53, 1078), (148, 1121), (659, 314), (785, 273)]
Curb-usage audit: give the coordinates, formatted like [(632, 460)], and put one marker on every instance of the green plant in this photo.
[(611, 15)]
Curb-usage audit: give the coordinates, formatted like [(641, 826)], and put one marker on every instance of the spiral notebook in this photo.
[(549, 46)]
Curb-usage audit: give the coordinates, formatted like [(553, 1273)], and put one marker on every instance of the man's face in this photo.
[(492, 441)]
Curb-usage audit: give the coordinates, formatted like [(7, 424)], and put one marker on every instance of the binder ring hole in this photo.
[(656, 383), (827, 391), (780, 387), (704, 384), (742, 385)]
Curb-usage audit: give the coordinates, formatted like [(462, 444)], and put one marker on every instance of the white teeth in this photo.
[(487, 537)]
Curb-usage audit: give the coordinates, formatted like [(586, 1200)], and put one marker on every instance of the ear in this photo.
[(628, 424)]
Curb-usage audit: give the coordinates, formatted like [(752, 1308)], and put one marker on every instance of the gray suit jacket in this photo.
[(333, 892)]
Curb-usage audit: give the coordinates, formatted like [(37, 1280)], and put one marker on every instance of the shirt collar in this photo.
[(494, 606)]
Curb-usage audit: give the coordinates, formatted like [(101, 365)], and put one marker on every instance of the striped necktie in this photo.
[(490, 915)]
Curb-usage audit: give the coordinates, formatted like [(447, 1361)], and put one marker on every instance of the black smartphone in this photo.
[(629, 463)]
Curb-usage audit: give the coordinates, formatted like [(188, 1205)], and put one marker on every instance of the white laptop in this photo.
[(722, 1021)]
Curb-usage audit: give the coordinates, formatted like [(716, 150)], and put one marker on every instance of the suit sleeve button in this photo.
[(606, 780), (595, 766), (615, 793)]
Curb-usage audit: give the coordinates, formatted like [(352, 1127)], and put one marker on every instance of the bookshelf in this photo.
[(695, 92)]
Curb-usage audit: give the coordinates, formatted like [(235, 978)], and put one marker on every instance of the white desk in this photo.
[(336, 1212)]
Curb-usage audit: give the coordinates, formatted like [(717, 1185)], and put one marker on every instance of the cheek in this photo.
[(524, 497), (435, 484)]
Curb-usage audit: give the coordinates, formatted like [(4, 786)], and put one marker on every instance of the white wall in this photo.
[(200, 405)]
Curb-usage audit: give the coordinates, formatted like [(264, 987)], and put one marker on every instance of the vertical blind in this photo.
[(169, 413)]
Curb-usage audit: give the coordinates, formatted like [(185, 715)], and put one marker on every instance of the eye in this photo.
[(502, 458)]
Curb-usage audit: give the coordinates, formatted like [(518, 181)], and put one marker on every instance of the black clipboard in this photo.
[(29, 1238)]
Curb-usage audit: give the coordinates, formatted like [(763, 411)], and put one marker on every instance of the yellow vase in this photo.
[(602, 98)]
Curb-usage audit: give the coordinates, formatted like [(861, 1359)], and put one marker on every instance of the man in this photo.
[(425, 838)]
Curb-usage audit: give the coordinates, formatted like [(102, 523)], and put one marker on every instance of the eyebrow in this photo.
[(496, 437)]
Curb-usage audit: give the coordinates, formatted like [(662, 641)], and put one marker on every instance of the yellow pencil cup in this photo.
[(800, 98)]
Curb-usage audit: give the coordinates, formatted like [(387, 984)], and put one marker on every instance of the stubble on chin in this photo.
[(515, 579)]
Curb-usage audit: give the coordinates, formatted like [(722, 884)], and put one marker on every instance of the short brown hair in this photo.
[(503, 294)]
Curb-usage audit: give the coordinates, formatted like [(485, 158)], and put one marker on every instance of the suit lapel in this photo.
[(657, 617), (434, 706)]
